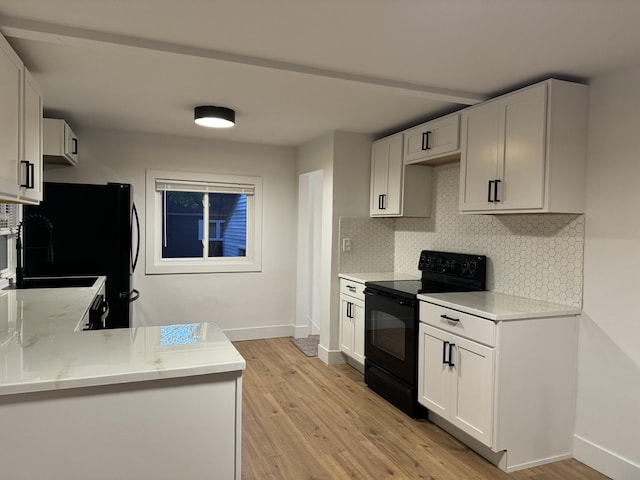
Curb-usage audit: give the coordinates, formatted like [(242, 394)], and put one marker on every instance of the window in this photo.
[(198, 223)]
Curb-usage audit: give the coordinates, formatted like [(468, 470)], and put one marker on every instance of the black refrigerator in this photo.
[(92, 230)]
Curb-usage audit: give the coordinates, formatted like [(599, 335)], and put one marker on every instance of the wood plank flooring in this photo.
[(304, 420)]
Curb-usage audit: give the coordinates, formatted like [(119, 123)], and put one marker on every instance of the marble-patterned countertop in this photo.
[(498, 307), (39, 349), (377, 276)]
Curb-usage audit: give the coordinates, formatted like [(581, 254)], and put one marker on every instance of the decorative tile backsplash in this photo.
[(534, 255), (372, 244)]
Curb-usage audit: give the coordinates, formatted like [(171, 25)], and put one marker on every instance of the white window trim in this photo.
[(154, 262)]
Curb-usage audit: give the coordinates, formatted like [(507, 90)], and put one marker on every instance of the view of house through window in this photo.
[(191, 230), (203, 223)]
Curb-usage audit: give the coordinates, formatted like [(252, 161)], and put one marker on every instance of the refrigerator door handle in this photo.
[(134, 261), (134, 295)]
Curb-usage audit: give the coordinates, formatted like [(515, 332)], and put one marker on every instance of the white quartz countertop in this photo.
[(497, 306), (39, 349), (377, 276)]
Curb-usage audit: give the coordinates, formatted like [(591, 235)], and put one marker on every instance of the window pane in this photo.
[(227, 225), (182, 214), (4, 253)]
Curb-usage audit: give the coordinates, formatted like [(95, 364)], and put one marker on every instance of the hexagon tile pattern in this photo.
[(537, 256), (372, 244)]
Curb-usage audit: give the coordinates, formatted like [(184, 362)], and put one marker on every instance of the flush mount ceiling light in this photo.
[(214, 117)]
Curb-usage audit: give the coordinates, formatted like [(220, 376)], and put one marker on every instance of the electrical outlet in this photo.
[(346, 244)]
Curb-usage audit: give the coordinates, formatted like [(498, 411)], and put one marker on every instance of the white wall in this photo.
[(608, 397), (245, 305), (345, 159)]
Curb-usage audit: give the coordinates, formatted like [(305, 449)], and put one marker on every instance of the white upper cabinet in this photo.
[(397, 189), (386, 176), (525, 152), (435, 140), (60, 143), (20, 130), (11, 71), (30, 173)]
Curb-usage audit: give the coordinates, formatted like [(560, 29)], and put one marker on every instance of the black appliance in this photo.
[(92, 232), (391, 323)]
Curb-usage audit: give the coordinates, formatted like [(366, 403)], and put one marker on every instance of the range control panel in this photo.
[(455, 264)]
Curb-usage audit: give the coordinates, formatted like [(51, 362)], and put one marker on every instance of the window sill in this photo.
[(168, 267)]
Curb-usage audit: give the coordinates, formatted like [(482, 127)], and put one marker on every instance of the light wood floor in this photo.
[(303, 420)]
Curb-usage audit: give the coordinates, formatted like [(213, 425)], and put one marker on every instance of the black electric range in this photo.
[(391, 322)]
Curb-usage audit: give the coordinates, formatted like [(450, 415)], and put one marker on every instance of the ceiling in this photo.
[(296, 69)]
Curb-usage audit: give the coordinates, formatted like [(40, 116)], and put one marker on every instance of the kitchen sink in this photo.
[(57, 282)]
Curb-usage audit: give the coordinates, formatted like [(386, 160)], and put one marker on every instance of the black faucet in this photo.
[(20, 280)]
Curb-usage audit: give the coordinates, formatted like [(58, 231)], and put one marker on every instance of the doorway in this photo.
[(308, 301)]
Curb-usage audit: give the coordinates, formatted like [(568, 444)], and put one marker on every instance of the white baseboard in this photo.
[(330, 357), (603, 460), (257, 333), (300, 331)]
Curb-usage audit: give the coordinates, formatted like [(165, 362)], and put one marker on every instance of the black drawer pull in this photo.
[(451, 319)]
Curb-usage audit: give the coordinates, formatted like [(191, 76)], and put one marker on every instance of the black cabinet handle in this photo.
[(495, 190), (380, 204), (426, 140), (74, 148), (349, 305), (444, 353), (450, 363), (489, 191), (30, 174), (451, 319)]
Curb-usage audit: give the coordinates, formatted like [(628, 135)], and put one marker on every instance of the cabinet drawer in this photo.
[(478, 329), (351, 288), (432, 140)]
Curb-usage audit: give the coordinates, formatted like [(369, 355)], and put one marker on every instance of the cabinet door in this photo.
[(31, 158), (10, 95), (472, 388), (346, 326), (432, 139), (521, 170), (434, 375), (358, 331), (479, 156), (387, 176)]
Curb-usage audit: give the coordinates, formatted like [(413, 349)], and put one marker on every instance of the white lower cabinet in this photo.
[(352, 319), (504, 388), (456, 381)]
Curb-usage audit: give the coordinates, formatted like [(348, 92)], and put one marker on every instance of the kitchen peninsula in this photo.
[(135, 403)]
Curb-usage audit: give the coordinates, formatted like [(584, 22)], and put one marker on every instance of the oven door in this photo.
[(390, 333)]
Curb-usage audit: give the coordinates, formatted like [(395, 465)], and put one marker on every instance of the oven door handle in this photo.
[(366, 291)]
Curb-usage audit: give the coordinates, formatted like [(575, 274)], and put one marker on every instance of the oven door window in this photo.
[(388, 334)]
